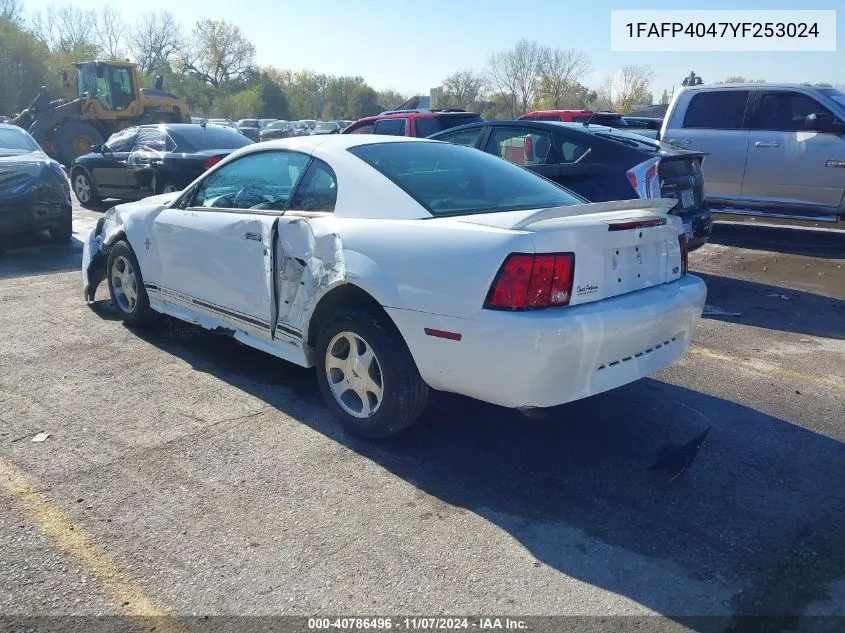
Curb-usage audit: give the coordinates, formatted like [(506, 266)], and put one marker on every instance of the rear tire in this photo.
[(63, 231), (74, 138), (379, 369), (126, 286)]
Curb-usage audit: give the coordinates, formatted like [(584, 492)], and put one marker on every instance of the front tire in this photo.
[(367, 375), (84, 189), (75, 138), (126, 286), (63, 231)]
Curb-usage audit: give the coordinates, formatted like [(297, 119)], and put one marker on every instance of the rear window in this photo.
[(248, 123), (610, 120), (542, 117), (277, 125), (17, 140), (633, 140), (454, 180), (720, 110), (199, 139), (426, 126)]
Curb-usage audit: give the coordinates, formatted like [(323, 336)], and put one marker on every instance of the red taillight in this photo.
[(632, 178), (682, 241), (211, 162), (530, 282)]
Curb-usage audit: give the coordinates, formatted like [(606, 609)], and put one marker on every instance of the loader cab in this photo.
[(113, 86)]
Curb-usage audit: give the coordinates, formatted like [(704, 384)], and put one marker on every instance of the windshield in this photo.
[(203, 138), (248, 123), (277, 125), (17, 140), (327, 125), (299, 125), (836, 95), (450, 179)]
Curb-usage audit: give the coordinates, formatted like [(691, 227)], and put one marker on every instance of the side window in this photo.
[(467, 138), (720, 110), (426, 126), (122, 141), (257, 181), (318, 189), (520, 146), (364, 128), (393, 127), (785, 111), (571, 150)]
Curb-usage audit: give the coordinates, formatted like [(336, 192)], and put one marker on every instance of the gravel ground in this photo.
[(213, 476)]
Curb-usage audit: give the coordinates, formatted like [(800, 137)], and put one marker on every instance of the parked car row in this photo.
[(597, 162)]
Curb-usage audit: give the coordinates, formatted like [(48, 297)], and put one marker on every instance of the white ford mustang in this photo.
[(398, 265)]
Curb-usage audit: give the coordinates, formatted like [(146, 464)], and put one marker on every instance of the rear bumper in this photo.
[(550, 357), (701, 223)]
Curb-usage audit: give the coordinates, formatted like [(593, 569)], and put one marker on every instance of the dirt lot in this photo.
[(185, 474)]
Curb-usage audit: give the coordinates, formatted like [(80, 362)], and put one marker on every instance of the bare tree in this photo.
[(11, 10), (155, 41), (627, 88), (517, 72), (66, 29), (562, 70), (463, 88), (110, 30), (219, 52)]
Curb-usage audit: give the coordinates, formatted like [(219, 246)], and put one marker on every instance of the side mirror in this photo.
[(819, 122), (98, 149)]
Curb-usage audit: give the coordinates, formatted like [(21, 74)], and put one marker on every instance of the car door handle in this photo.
[(765, 144), (252, 236), (679, 141)]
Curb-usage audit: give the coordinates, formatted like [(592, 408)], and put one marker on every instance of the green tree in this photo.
[(274, 101), (219, 52), (239, 105), (22, 67)]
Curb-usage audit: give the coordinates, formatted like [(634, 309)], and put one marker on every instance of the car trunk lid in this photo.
[(619, 247)]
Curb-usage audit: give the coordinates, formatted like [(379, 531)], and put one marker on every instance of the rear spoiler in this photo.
[(654, 205)]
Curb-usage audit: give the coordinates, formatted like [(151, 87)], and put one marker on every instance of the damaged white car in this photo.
[(400, 265)]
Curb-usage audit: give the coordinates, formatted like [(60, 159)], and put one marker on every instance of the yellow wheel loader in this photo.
[(109, 100)]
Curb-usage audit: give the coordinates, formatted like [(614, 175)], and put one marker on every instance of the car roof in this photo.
[(329, 143), (578, 128), (775, 86)]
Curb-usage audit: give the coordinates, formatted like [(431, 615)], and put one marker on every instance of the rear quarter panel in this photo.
[(437, 266)]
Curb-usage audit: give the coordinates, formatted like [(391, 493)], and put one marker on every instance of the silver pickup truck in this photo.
[(772, 149)]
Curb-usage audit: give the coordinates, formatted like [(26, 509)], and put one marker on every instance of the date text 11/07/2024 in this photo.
[(723, 29), (416, 624)]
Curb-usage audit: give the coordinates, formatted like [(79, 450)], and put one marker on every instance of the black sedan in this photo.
[(599, 163), (34, 191), (251, 128), (150, 159), (276, 129)]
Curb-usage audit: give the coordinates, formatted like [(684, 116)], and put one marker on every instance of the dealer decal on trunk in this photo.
[(835, 163), (588, 289)]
